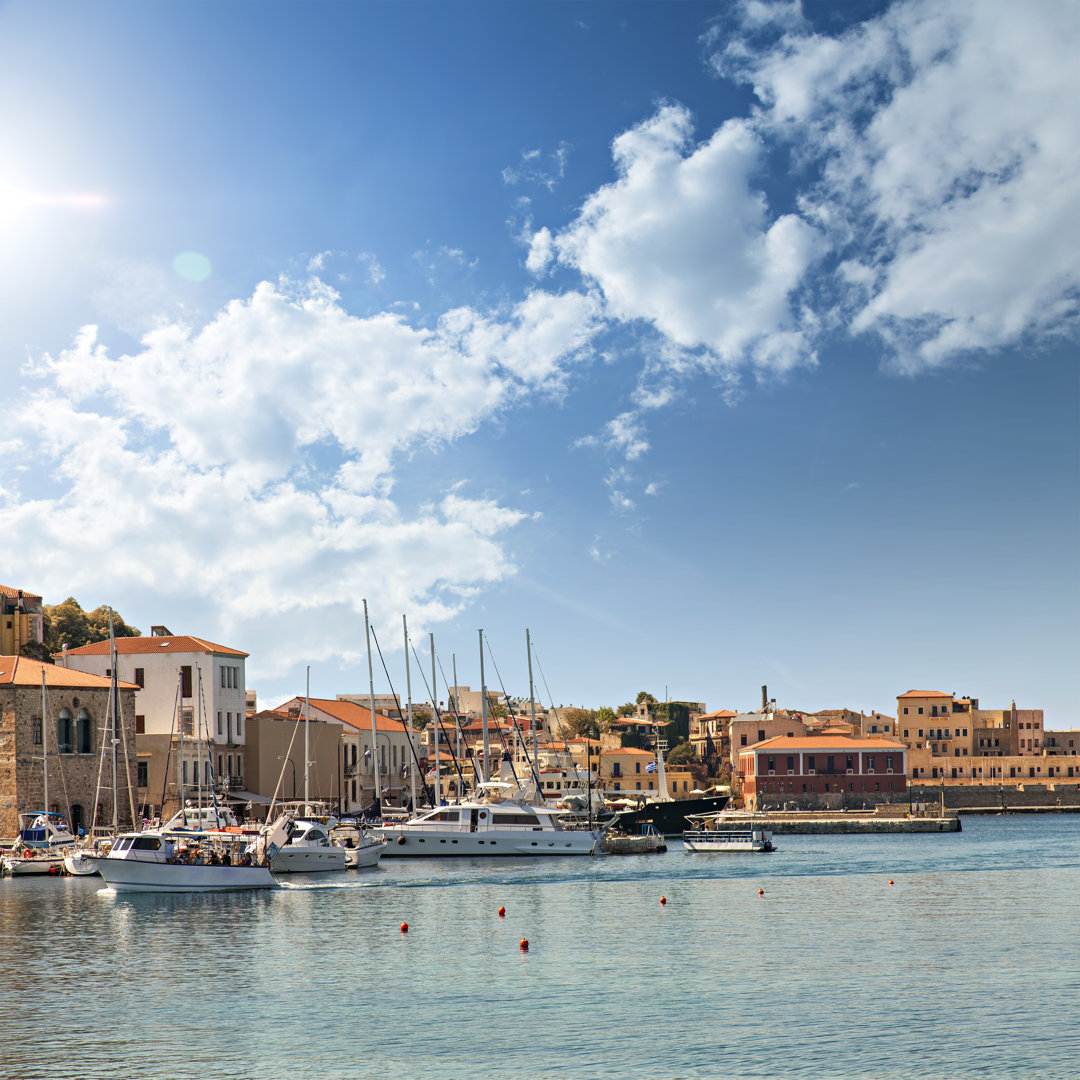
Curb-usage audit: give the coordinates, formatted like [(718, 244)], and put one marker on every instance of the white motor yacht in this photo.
[(307, 849), (493, 825)]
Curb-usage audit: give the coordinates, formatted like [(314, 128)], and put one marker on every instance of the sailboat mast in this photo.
[(114, 696), (532, 698), (484, 708), (408, 706), (45, 749), (371, 705), (457, 711), (435, 723), (307, 737), (180, 777)]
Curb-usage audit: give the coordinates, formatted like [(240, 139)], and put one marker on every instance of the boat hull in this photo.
[(17, 866), (405, 843), (135, 875), (669, 817), (289, 860)]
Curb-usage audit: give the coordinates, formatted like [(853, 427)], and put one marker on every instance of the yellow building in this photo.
[(21, 620)]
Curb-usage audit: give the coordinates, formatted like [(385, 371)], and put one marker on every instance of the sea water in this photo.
[(886, 957)]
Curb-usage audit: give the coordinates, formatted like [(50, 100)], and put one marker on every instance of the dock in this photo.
[(808, 822)]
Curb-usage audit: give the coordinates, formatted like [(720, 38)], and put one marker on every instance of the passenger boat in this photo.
[(156, 861), (728, 832), (492, 825)]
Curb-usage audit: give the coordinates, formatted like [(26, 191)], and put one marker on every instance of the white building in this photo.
[(188, 685)]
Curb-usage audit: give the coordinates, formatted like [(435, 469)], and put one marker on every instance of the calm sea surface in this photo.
[(967, 966)]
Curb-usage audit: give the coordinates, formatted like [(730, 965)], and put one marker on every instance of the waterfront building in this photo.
[(626, 770), (822, 770), (347, 767), (22, 621), (73, 731), (747, 729), (710, 734), (185, 686)]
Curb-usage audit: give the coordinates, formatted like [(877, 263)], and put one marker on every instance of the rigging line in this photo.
[(101, 765), (438, 724), (513, 719), (397, 704), (209, 753)]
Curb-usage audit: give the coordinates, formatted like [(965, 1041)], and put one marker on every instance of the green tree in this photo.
[(682, 754), (579, 723), (605, 717), (644, 695), (626, 710), (67, 624), (420, 719)]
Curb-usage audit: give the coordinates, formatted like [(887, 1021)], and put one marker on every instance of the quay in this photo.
[(786, 823)]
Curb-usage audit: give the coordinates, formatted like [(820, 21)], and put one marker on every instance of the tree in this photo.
[(579, 723), (605, 717), (626, 710), (420, 719), (682, 754), (645, 696), (67, 624)]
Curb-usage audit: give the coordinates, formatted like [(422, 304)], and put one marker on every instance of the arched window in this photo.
[(63, 733), (82, 732)]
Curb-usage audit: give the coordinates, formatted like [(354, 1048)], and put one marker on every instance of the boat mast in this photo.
[(532, 698), (457, 712), (371, 705), (484, 708), (307, 736), (180, 770), (45, 750), (408, 707), (114, 697), (435, 722)]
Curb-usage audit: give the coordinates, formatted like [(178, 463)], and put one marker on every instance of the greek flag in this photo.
[(651, 767)]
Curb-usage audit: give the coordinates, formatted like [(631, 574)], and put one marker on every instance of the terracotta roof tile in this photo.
[(127, 646), (924, 693), (20, 671), (13, 594)]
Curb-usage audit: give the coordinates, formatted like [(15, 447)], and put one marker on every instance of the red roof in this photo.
[(20, 671), (630, 750), (13, 594), (181, 643), (822, 743), (352, 714), (924, 693)]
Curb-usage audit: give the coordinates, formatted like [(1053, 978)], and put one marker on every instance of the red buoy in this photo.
[(761, 892), (663, 899), (404, 927), (890, 881), (502, 912), (524, 944)]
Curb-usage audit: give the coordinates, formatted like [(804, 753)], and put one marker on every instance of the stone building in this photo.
[(72, 741)]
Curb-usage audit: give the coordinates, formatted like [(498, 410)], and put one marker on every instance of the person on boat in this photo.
[(226, 859)]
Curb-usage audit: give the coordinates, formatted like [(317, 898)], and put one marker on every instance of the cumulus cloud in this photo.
[(250, 461), (683, 241), (946, 141)]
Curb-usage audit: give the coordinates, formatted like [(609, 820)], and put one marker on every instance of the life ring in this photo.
[(28, 853)]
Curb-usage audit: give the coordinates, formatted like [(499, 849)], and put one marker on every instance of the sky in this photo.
[(716, 345)]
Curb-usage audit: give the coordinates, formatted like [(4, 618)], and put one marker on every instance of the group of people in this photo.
[(193, 855)]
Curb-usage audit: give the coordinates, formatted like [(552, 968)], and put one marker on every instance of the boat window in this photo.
[(123, 843), (516, 817), (317, 834), (146, 843)]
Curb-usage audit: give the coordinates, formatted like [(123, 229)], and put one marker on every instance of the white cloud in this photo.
[(948, 140), (249, 463), (683, 241)]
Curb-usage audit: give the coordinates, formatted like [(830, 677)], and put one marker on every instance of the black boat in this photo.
[(669, 815)]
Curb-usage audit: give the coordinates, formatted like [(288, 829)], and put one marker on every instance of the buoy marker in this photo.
[(663, 900), (524, 944), (761, 892), (502, 912), (404, 927), (890, 881)]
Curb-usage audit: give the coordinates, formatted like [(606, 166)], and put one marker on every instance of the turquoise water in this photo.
[(965, 967)]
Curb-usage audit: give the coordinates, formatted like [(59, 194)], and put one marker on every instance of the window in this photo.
[(869, 762), (772, 764), (637, 767), (743, 738), (140, 724), (850, 762), (615, 769), (791, 763), (905, 710), (185, 681), (35, 725), (639, 785), (82, 732), (920, 710), (905, 733), (223, 681), (142, 771), (63, 733), (220, 729), (761, 735), (239, 720), (810, 762)]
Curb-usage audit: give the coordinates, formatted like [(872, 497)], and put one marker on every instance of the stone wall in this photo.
[(73, 777)]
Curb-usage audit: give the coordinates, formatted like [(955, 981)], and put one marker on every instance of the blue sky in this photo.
[(716, 344)]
